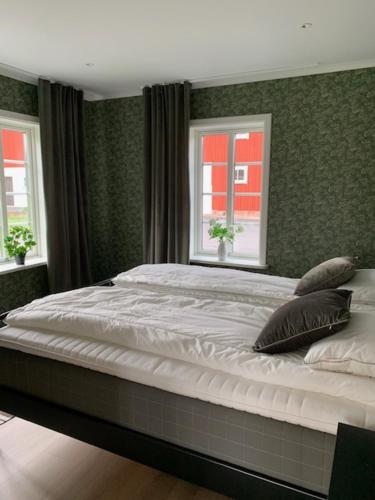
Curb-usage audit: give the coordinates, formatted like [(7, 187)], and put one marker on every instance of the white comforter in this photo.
[(200, 347), (236, 285), (210, 282)]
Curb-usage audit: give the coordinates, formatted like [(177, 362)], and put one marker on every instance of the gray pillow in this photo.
[(329, 274), (305, 320)]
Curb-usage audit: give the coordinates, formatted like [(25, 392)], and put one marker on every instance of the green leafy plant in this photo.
[(220, 231), (19, 241)]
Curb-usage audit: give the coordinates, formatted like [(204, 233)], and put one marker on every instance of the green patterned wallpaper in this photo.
[(20, 287), (18, 96), (322, 185), (114, 141)]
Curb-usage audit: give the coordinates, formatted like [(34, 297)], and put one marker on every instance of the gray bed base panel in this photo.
[(284, 451)]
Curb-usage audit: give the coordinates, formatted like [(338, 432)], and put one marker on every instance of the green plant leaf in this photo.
[(219, 230), (19, 241)]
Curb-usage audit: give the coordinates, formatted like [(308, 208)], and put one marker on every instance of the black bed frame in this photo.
[(353, 475)]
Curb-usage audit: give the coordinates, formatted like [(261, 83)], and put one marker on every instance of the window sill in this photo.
[(11, 267), (229, 262)]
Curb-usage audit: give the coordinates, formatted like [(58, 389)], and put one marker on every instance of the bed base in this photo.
[(195, 467), (353, 473)]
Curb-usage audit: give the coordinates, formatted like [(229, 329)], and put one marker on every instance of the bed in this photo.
[(166, 353)]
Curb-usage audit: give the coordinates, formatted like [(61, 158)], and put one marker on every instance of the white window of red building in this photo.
[(229, 163), (21, 192)]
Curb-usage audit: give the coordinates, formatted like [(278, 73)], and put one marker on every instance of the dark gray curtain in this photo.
[(167, 203), (65, 185)]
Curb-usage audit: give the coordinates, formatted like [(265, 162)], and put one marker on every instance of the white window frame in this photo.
[(245, 170), (231, 126), (28, 125)]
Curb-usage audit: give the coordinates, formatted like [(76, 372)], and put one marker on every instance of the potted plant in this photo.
[(224, 234), (18, 242)]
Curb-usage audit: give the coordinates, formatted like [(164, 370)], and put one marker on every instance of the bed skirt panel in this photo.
[(281, 450)]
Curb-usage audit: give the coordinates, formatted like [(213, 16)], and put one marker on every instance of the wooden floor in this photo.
[(39, 464)]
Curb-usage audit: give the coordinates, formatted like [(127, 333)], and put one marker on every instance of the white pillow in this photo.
[(363, 286), (350, 351)]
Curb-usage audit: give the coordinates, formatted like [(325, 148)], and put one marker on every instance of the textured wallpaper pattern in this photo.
[(18, 96), (322, 177), (23, 286), (115, 176), (20, 287)]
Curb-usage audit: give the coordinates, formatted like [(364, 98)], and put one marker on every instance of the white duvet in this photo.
[(210, 282), (199, 347), (236, 285)]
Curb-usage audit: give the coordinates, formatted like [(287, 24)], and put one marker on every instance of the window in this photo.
[(9, 198), (21, 193), (229, 167), (240, 175)]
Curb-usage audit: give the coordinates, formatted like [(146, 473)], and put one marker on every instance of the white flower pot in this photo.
[(222, 251)]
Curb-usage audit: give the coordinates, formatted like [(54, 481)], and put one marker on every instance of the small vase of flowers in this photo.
[(18, 242), (219, 230)]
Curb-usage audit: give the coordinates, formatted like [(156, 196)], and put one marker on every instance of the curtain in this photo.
[(166, 181), (65, 185)]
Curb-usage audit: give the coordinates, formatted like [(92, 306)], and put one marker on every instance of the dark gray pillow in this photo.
[(329, 274), (305, 320)]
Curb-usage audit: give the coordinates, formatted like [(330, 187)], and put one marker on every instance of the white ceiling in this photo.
[(133, 43)]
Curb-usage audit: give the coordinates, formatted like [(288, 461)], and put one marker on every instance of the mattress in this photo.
[(195, 343)]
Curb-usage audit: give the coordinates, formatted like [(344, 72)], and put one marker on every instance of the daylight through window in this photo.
[(20, 178), (230, 169)]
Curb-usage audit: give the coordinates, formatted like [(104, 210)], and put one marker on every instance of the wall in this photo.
[(18, 96), (322, 184), (20, 287), (114, 137)]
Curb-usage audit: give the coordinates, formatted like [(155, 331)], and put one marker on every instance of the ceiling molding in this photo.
[(27, 77), (261, 75), (120, 94), (274, 74), (18, 74), (89, 95), (214, 81)]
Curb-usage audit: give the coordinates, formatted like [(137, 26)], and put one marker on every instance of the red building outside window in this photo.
[(21, 195), (247, 186)]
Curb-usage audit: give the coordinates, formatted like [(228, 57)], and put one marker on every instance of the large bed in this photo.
[(167, 352)]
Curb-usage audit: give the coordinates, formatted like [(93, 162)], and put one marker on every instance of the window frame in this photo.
[(29, 125), (245, 170), (231, 126)]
